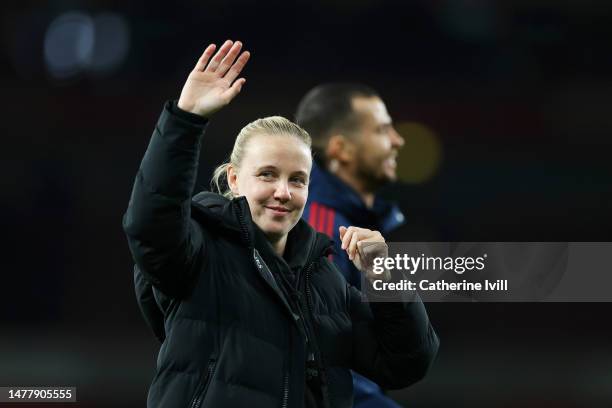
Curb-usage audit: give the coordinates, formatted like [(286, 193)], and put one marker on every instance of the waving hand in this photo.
[(212, 83)]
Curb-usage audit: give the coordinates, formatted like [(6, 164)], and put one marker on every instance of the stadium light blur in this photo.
[(77, 43), (421, 157), (69, 42)]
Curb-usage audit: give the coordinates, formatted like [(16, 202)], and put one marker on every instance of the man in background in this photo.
[(355, 149)]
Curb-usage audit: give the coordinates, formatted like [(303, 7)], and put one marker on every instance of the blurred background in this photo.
[(504, 105)]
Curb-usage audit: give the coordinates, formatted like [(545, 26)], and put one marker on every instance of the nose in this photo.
[(397, 141), (282, 193)]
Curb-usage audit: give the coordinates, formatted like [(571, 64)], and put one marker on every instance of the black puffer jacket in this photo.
[(234, 335)]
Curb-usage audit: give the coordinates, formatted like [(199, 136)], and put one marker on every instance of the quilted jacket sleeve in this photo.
[(394, 343), (165, 242)]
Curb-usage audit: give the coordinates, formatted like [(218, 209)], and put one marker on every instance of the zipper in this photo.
[(307, 288), (242, 223), (201, 392), (266, 274), (261, 266), (285, 390), (308, 329), (312, 359)]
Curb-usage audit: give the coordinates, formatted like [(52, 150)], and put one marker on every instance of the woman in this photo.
[(253, 312)]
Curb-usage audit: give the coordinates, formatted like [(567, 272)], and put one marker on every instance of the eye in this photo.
[(300, 181), (384, 129), (266, 175)]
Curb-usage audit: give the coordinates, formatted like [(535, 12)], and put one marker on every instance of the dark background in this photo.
[(509, 102)]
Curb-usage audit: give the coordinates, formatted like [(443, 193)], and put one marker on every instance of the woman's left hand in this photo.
[(212, 83), (363, 246)]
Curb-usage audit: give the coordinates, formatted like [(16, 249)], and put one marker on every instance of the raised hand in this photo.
[(362, 246), (212, 83)]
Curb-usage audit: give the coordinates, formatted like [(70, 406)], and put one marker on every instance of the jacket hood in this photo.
[(233, 218), (216, 210)]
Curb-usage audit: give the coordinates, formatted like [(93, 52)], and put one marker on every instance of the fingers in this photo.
[(234, 89), (352, 248), (216, 60), (238, 66), (229, 59), (346, 236), (224, 62), (353, 239), (342, 231), (349, 241), (203, 60)]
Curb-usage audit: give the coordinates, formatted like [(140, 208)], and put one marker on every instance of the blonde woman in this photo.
[(250, 310)]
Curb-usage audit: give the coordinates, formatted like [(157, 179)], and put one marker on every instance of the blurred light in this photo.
[(69, 44), (420, 158), (76, 43), (111, 44)]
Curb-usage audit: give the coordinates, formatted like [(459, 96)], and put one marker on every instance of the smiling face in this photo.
[(377, 143), (273, 176)]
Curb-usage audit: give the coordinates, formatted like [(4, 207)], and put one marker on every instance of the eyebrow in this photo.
[(386, 125), (272, 167)]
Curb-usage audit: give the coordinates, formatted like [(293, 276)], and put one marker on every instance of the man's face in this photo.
[(376, 142)]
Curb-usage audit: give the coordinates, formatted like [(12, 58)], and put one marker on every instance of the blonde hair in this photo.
[(272, 125)]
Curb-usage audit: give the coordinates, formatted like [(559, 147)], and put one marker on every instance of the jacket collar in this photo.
[(233, 218), (327, 189)]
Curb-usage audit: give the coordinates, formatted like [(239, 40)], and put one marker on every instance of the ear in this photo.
[(340, 148), (232, 179)]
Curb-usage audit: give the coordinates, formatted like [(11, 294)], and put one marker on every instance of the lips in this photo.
[(391, 162), (278, 209)]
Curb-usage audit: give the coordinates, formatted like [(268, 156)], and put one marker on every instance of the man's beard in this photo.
[(373, 178)]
